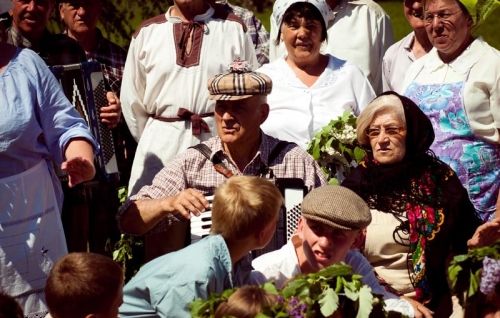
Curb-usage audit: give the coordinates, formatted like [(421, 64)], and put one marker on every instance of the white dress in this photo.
[(298, 112), (359, 31), (158, 81)]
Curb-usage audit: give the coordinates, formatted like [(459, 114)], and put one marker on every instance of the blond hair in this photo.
[(243, 205), (246, 302), (384, 104)]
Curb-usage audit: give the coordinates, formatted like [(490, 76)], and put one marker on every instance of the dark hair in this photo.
[(80, 284), (9, 308), (304, 10)]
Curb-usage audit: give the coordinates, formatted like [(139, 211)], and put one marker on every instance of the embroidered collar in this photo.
[(200, 17), (461, 64)]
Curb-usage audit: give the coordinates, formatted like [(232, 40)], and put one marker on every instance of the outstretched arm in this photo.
[(79, 164), (143, 215)]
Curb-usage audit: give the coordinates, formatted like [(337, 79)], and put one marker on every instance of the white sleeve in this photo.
[(132, 92), (384, 38)]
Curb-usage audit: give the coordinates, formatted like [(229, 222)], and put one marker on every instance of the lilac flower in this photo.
[(490, 276)]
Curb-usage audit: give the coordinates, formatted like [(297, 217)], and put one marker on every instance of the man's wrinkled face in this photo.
[(80, 16), (30, 16)]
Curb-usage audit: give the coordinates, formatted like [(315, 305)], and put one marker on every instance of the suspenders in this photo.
[(222, 169)]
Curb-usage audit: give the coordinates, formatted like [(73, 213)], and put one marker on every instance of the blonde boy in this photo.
[(244, 215)]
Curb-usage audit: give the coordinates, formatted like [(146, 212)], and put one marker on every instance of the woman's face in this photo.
[(389, 146), (302, 39), (448, 27)]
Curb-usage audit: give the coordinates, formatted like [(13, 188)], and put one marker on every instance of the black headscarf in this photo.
[(374, 182), (420, 182)]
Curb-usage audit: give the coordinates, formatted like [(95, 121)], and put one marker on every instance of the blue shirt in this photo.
[(165, 286), (37, 120)]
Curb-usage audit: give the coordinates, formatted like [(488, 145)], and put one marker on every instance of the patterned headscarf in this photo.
[(480, 10), (280, 7)]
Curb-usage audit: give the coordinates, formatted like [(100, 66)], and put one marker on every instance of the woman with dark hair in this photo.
[(309, 88), (421, 214)]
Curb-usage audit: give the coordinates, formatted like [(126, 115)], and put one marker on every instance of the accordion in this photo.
[(293, 191), (84, 86)]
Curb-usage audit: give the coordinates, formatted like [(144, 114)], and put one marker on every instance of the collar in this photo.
[(408, 42), (15, 38), (200, 17), (462, 63), (240, 274), (98, 42), (267, 144)]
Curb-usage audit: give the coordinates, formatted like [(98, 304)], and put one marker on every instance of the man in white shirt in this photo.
[(330, 228)]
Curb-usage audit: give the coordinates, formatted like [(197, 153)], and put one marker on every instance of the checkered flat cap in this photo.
[(239, 84), (338, 207)]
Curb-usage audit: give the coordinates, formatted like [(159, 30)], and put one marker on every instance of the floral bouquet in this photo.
[(334, 291), (336, 148), (477, 270)]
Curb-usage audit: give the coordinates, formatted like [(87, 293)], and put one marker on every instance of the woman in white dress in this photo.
[(309, 88)]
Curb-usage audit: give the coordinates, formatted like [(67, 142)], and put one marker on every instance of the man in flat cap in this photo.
[(330, 228), (240, 148)]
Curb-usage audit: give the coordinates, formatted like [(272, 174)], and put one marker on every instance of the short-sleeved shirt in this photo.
[(192, 169)]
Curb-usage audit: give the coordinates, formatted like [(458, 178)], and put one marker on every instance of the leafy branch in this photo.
[(335, 290), (336, 148)]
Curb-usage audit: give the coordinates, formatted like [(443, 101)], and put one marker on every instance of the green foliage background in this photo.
[(121, 18)]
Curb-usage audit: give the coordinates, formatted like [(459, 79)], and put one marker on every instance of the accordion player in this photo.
[(293, 191), (85, 87)]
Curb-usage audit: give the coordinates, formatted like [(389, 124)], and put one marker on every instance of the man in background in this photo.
[(98, 203)]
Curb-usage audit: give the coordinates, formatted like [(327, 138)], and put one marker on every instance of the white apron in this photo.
[(31, 236)]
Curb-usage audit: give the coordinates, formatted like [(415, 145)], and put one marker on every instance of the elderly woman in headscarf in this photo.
[(457, 85), (309, 88), (421, 214)]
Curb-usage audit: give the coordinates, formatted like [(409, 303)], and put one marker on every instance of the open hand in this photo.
[(486, 234), (78, 170), (420, 310)]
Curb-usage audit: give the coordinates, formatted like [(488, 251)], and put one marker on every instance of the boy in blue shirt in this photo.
[(244, 215)]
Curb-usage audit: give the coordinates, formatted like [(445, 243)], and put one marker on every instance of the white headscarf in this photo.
[(280, 7)]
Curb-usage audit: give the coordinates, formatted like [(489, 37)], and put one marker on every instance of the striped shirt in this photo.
[(192, 169)]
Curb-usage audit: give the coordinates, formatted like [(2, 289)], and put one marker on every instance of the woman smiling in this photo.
[(309, 88)]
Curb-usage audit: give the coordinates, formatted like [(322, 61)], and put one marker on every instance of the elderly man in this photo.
[(165, 103), (80, 18), (240, 148)]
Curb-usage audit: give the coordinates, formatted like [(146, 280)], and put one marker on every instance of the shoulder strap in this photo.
[(219, 166), (280, 146)]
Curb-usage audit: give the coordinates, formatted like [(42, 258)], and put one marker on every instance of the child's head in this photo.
[(82, 284), (9, 308), (332, 221), (246, 302), (244, 206)]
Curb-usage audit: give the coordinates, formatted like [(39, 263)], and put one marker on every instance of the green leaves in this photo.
[(464, 271), (329, 302), (321, 294), (336, 148)]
